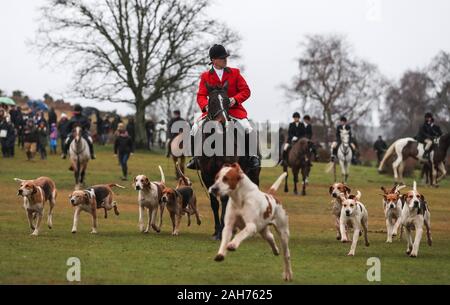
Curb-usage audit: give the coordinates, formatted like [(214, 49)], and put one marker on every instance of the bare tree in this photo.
[(332, 82), (408, 102), (439, 73), (130, 51)]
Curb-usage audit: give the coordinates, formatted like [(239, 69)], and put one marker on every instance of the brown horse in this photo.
[(299, 158), (218, 105)]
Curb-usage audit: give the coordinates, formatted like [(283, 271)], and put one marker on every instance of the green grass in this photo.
[(119, 254)]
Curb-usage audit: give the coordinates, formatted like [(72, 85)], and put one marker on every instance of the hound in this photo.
[(336, 191), (91, 199), (392, 206), (354, 214), (35, 193), (149, 197), (178, 202), (415, 214), (251, 211)]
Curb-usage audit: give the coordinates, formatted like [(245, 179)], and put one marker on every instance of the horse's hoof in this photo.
[(219, 258)]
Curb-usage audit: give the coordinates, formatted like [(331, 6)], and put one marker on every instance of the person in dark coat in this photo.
[(296, 131), (79, 120), (342, 126), (308, 133), (52, 118), (30, 138), (42, 139), (7, 135), (380, 147), (123, 149), (62, 129), (427, 133), (131, 129)]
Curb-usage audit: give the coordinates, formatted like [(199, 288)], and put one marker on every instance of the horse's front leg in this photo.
[(304, 178), (295, 174), (286, 188)]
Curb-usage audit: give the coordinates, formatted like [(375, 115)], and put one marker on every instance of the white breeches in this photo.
[(243, 124)]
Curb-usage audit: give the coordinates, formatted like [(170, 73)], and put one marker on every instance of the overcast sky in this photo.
[(396, 35)]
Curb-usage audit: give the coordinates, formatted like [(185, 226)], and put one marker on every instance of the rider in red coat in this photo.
[(238, 92)]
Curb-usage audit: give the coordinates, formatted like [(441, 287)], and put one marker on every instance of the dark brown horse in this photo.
[(299, 159), (218, 105)]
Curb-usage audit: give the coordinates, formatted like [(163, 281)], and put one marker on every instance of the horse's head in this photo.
[(77, 133), (218, 103)]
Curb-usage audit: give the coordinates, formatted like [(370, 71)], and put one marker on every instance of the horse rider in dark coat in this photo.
[(342, 126), (296, 131), (428, 133), (79, 120)]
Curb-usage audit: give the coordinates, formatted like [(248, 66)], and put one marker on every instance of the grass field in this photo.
[(119, 254)]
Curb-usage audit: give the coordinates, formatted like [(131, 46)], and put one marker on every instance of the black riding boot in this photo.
[(253, 161), (91, 149), (66, 146)]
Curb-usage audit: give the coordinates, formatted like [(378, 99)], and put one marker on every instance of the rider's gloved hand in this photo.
[(232, 101)]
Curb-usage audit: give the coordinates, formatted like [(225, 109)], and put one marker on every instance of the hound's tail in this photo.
[(277, 183), (358, 195), (19, 180), (116, 185), (185, 179), (415, 186), (163, 178), (387, 155)]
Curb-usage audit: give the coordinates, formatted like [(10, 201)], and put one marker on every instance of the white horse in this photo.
[(79, 156), (403, 149), (344, 156), (409, 147)]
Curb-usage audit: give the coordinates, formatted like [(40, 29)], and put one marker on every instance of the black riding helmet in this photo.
[(218, 51), (343, 119), (77, 108), (296, 115), (428, 115)]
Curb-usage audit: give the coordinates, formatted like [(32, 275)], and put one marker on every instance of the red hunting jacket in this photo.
[(237, 88)]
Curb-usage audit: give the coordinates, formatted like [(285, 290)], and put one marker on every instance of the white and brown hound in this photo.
[(91, 199), (251, 211), (35, 193), (415, 214), (149, 198)]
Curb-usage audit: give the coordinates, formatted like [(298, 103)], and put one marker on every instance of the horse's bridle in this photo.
[(211, 117)]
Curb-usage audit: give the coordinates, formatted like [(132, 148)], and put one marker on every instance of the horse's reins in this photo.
[(203, 184)]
